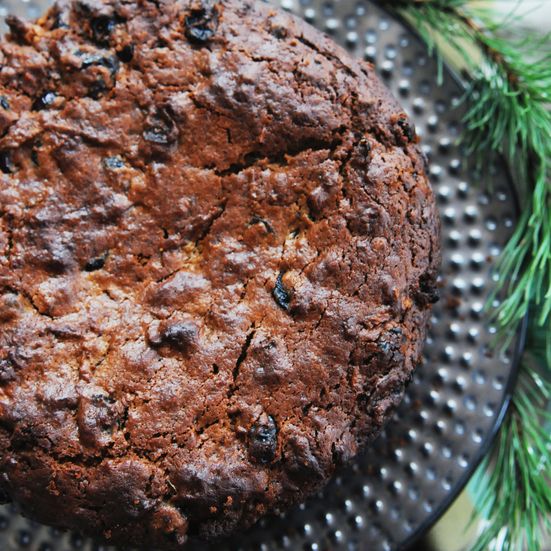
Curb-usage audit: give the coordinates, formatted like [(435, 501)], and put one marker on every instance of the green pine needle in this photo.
[(508, 113), (511, 489)]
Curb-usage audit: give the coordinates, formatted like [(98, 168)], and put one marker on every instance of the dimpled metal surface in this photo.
[(453, 407)]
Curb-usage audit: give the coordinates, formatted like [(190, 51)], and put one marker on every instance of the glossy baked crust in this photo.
[(218, 250)]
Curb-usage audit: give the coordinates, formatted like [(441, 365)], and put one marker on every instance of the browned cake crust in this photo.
[(218, 250)]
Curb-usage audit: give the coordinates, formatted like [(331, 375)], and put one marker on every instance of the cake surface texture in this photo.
[(218, 254)]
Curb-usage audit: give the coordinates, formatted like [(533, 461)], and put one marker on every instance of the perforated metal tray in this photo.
[(455, 404)]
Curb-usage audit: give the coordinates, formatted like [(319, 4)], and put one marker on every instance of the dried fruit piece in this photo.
[(263, 439), (102, 26), (113, 163), (427, 293), (281, 295), (126, 53), (258, 220), (6, 163), (44, 100), (108, 61), (201, 23), (160, 129), (95, 263), (405, 132)]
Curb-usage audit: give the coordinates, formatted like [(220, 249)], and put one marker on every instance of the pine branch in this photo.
[(508, 113), (511, 488)]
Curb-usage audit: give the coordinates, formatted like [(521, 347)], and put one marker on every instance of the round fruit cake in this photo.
[(218, 252)]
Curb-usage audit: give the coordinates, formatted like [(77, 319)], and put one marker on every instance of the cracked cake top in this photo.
[(218, 250)]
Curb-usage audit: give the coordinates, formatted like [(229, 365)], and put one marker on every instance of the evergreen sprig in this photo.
[(508, 100), (511, 488)]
